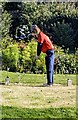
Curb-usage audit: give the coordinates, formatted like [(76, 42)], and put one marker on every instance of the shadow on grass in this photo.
[(2, 83), (32, 85)]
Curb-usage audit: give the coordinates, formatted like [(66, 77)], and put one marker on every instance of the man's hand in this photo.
[(36, 57)]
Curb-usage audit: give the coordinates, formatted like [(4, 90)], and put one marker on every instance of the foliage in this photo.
[(5, 24), (64, 62), (58, 19), (76, 58), (64, 33), (14, 9), (6, 41), (46, 15), (23, 59), (10, 57)]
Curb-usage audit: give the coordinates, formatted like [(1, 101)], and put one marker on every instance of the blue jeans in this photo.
[(49, 59)]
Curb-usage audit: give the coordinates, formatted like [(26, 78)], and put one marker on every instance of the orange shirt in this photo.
[(47, 44)]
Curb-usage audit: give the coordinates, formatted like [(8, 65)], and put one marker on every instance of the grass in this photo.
[(24, 98), (13, 112), (36, 79), (38, 97)]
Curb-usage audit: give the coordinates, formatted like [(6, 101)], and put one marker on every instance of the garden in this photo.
[(24, 96)]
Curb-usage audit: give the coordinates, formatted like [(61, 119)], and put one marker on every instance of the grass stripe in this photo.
[(13, 112), (33, 79)]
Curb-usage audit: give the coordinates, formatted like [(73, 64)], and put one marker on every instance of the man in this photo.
[(45, 45)]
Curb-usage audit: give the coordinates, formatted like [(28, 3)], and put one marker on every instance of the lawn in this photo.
[(25, 97), (13, 112), (36, 79)]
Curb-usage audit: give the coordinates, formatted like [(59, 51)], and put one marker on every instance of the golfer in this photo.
[(45, 45)]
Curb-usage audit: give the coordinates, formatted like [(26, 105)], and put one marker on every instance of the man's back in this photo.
[(46, 42)]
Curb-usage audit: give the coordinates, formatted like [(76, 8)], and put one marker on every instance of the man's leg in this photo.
[(50, 68), (46, 62)]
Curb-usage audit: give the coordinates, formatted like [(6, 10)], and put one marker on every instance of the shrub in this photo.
[(23, 59), (10, 57)]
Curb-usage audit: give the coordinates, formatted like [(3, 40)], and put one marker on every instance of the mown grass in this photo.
[(13, 112), (46, 113), (34, 79)]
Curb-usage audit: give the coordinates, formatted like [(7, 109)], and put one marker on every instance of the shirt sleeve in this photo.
[(41, 38), (39, 47)]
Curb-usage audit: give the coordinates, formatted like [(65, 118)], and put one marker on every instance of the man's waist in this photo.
[(49, 51), (44, 50)]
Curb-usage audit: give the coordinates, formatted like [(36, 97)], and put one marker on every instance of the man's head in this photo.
[(35, 29)]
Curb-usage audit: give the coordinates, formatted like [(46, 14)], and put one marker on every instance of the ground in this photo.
[(26, 98), (18, 95)]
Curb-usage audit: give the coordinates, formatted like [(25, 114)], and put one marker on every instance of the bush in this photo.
[(22, 59), (10, 57), (64, 62)]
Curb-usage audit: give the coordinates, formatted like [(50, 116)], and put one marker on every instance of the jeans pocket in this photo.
[(50, 54)]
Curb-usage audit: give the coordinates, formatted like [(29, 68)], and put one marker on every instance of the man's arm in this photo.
[(39, 47)]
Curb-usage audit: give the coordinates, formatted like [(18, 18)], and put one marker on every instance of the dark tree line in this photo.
[(49, 17)]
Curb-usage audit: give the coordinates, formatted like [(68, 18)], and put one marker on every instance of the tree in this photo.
[(14, 9), (64, 32), (46, 15), (5, 23)]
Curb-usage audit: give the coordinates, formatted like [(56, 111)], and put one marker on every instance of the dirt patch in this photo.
[(38, 97)]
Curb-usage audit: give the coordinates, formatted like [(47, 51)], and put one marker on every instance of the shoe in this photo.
[(50, 85), (47, 85)]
